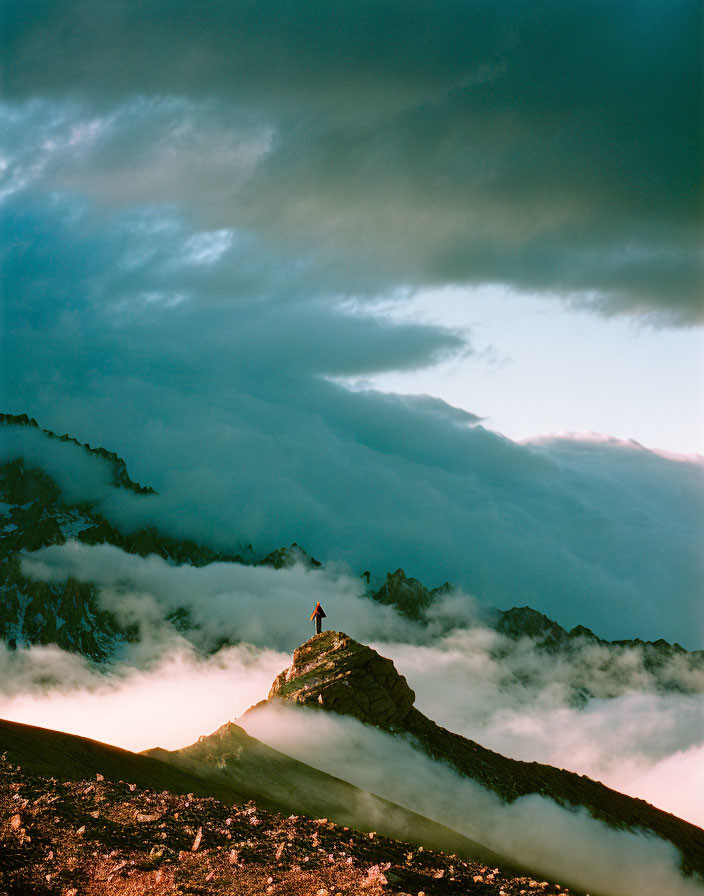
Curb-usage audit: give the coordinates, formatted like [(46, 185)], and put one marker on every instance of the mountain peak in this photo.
[(335, 672), (408, 595), (285, 558)]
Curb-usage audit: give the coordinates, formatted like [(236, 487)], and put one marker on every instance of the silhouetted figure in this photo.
[(318, 614)]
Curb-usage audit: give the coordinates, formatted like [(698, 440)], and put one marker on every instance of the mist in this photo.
[(533, 830), (167, 702), (597, 533), (609, 720), (595, 711), (256, 604)]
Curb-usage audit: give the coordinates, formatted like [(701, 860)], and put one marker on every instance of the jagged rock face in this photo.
[(335, 672), (120, 476), (408, 595), (285, 558), (521, 622)]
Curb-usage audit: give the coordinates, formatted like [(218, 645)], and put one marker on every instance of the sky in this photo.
[(541, 367), (412, 284), (354, 275)]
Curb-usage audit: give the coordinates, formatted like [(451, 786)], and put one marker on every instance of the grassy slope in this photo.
[(277, 781), (234, 768), (68, 757)]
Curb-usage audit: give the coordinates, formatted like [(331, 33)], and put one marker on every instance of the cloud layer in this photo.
[(197, 209), (592, 532), (553, 149), (622, 729)]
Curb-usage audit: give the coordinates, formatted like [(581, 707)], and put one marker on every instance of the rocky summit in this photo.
[(336, 672)]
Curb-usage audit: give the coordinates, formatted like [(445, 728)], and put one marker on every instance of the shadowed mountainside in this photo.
[(68, 757), (332, 672)]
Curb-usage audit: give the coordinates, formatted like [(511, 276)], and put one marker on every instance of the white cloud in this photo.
[(256, 604), (520, 702), (624, 729), (168, 703)]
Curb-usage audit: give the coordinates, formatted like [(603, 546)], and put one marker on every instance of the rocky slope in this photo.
[(98, 837), (230, 757), (332, 672)]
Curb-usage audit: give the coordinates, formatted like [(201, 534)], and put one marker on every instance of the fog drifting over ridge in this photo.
[(466, 676), (534, 830), (591, 532)]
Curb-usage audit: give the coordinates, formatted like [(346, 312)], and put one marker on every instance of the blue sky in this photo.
[(539, 367)]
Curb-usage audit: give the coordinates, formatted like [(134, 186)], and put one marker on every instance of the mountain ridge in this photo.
[(333, 673), (234, 767), (121, 478), (100, 838)]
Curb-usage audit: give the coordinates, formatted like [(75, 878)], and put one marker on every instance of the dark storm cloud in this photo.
[(554, 147), (192, 196), (141, 279)]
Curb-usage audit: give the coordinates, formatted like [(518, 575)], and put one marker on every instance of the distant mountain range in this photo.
[(34, 513)]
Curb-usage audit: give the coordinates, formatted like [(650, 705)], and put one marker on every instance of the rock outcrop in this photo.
[(285, 558), (336, 672), (408, 595)]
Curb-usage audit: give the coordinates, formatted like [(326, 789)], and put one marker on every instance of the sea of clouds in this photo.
[(591, 532), (504, 694)]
